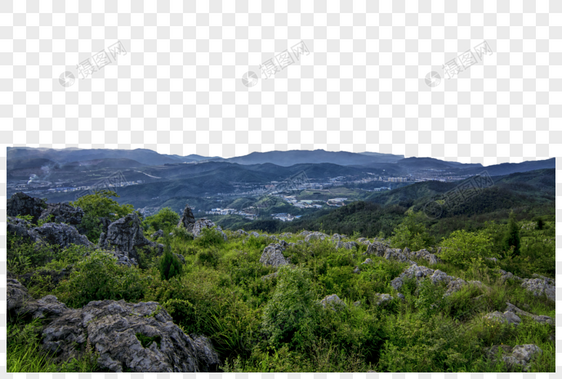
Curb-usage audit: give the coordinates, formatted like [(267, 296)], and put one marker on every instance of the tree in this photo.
[(512, 238), (97, 205), (170, 265), (165, 220), (412, 233)]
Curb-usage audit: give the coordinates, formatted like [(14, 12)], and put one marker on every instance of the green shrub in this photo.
[(100, 204), (209, 237), (170, 265), (462, 246), (207, 257), (292, 310), (24, 256), (166, 219), (412, 233), (99, 277)]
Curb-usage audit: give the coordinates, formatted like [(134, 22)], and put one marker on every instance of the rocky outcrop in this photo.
[(273, 255), (363, 241), (22, 204), (519, 356), (436, 276), (199, 225), (382, 249), (346, 245), (125, 238), (117, 330), (138, 337), (383, 298), (62, 213), (16, 295), (18, 227), (187, 219), (506, 317), (508, 275), (20, 303), (50, 233), (520, 312), (158, 234), (540, 286), (315, 236), (333, 301), (59, 234)]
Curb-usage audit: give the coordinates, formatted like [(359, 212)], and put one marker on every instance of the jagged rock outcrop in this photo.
[(518, 356), (113, 329), (273, 255), (537, 318), (333, 301), (125, 238), (382, 249), (240, 232), (315, 236), (187, 219), (199, 225), (50, 233), (20, 303), (540, 286), (16, 295), (346, 245), (59, 234), (436, 276), (508, 275), (22, 204), (18, 227), (63, 213)]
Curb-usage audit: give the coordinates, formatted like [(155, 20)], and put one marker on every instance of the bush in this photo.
[(209, 237), (412, 233), (170, 265), (462, 246), (292, 309), (166, 219), (100, 204), (99, 277)]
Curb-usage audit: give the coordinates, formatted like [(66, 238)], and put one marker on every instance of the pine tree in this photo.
[(512, 237), (170, 265)]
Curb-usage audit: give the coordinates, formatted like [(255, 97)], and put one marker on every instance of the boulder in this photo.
[(273, 255), (520, 356), (356, 270), (22, 204), (16, 295), (377, 248), (315, 236), (187, 219), (367, 261), (18, 227), (240, 232), (520, 312), (363, 241), (508, 275), (199, 225), (506, 317), (540, 286), (158, 234), (346, 245), (63, 213), (137, 337), (383, 298), (333, 301), (125, 238)]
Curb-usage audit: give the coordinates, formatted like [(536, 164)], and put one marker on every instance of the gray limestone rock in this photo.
[(273, 255), (113, 329), (22, 204)]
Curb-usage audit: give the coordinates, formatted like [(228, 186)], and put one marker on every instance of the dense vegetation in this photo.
[(276, 323)]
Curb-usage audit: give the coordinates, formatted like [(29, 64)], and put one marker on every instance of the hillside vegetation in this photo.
[(285, 318)]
